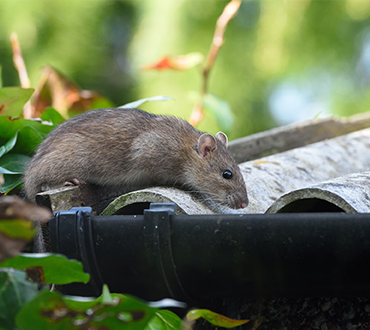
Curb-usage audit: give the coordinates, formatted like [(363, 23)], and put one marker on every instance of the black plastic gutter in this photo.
[(200, 257)]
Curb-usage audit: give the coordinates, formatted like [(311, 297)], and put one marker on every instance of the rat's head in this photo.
[(215, 174)]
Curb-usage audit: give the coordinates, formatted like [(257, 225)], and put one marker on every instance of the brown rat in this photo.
[(131, 149)]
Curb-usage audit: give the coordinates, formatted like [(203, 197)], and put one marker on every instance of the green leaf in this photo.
[(9, 145), (9, 127), (12, 166), (15, 291), (17, 228), (221, 110), (10, 182), (214, 318), (50, 114), (5, 171), (125, 312), (1, 76), (56, 269), (106, 296), (40, 312), (29, 138), (15, 163), (50, 310), (142, 101), (13, 99), (165, 320)]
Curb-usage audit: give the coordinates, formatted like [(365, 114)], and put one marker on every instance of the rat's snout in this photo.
[(239, 201), (243, 200), (244, 205)]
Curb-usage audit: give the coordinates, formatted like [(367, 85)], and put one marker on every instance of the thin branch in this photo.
[(218, 38), (19, 62), (22, 71)]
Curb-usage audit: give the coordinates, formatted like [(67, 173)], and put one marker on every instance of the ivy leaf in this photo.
[(49, 268), (5, 171), (50, 114), (166, 320), (10, 182), (14, 163), (12, 166), (13, 99), (137, 103), (50, 310), (214, 318), (9, 127), (29, 139), (9, 145), (15, 291)]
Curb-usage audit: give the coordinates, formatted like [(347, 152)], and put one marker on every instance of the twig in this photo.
[(218, 38), (22, 71)]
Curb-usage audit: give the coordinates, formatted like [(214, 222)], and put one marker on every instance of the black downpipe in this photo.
[(195, 258)]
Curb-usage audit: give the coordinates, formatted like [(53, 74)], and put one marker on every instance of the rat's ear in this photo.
[(206, 143), (222, 137)]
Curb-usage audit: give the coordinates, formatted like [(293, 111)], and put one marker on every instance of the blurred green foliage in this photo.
[(281, 61), (85, 40)]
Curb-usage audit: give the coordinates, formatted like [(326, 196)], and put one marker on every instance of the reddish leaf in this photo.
[(57, 91), (182, 62)]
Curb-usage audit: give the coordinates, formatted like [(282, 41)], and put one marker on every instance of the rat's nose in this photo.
[(243, 205)]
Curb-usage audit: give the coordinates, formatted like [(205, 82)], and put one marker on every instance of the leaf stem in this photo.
[(218, 38)]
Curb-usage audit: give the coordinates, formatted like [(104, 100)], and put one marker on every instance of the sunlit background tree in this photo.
[(281, 61)]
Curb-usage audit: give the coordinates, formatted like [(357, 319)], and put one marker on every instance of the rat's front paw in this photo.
[(74, 182)]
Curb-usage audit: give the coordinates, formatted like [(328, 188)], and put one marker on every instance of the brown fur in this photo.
[(131, 149)]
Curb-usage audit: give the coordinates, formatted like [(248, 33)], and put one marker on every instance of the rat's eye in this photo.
[(227, 175)]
